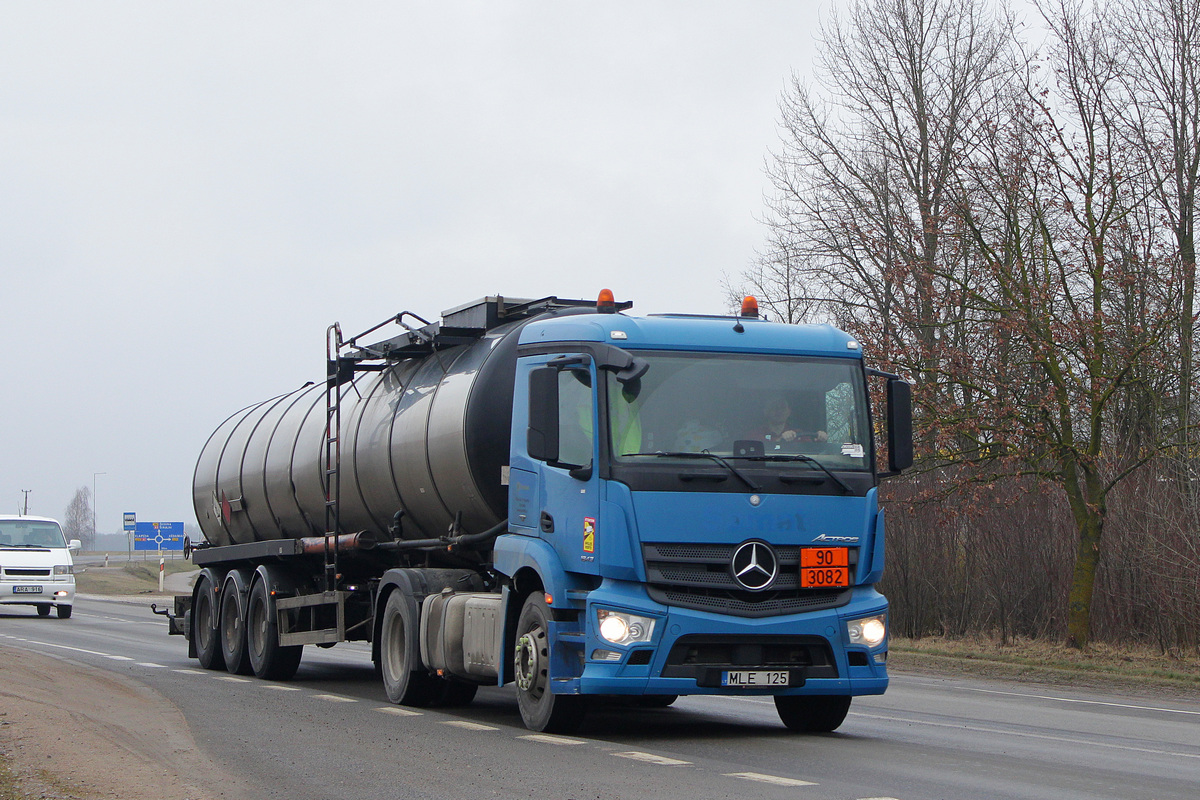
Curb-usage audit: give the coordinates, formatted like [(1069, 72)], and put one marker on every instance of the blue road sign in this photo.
[(158, 536), (130, 521)]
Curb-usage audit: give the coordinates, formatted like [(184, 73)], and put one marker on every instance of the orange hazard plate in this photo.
[(824, 567)]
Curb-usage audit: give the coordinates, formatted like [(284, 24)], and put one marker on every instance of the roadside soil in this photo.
[(71, 732)]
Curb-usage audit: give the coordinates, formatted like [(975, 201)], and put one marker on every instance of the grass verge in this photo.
[(1129, 667), (135, 577)]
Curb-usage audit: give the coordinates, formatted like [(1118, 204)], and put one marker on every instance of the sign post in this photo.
[(130, 527)]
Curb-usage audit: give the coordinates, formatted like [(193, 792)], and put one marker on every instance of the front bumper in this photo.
[(37, 592), (691, 649)]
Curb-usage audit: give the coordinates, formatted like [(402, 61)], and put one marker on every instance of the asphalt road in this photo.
[(332, 733)]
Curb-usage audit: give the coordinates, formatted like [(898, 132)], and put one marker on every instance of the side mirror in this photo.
[(899, 417), (541, 440), (74, 546)]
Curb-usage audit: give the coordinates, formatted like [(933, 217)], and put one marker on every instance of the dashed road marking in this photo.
[(276, 687), (334, 698), (651, 758), (546, 738), (119, 658), (470, 726), (772, 779), (231, 678), (151, 665), (398, 712), (190, 671)]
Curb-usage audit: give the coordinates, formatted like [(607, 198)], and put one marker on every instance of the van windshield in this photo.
[(30, 533), (780, 409)]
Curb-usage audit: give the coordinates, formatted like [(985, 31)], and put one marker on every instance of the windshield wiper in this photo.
[(807, 460), (703, 454)]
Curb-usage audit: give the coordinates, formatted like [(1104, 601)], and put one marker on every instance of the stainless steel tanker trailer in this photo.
[(492, 498)]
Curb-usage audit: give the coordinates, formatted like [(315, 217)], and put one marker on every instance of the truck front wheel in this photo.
[(541, 709), (268, 659), (404, 680), (812, 713)]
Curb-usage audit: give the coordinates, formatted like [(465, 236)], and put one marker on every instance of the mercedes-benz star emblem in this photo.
[(754, 565)]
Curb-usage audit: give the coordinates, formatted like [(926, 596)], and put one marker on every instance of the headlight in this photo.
[(63, 569), (621, 628), (870, 631)]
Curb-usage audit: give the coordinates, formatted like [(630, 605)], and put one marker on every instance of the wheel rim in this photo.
[(527, 662), (229, 620), (256, 630), (204, 624), (393, 656)]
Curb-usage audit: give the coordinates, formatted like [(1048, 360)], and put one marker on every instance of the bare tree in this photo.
[(78, 520)]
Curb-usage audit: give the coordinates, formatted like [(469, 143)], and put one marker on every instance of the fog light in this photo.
[(871, 631), (605, 655)]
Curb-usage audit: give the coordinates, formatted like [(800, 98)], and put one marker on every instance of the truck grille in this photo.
[(697, 576), (18, 572), (697, 656)]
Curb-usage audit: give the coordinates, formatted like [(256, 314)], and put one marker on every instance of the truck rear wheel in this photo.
[(404, 680), (233, 632), (541, 709), (268, 658), (204, 627), (812, 713)]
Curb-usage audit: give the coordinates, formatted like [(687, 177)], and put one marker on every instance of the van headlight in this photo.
[(619, 627), (63, 569), (871, 631)]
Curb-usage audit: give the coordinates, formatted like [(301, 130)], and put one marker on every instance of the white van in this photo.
[(35, 565)]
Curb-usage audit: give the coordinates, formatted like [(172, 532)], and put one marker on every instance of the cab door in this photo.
[(563, 445)]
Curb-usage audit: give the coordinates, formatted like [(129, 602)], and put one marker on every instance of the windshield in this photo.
[(30, 533), (772, 408)]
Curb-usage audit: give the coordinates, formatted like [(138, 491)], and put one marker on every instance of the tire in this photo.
[(64, 612), (268, 659), (43, 609), (812, 713), (541, 709), (404, 679), (204, 627), (656, 700), (232, 632)]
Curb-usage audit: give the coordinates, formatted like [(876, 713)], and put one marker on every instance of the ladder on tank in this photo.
[(332, 456)]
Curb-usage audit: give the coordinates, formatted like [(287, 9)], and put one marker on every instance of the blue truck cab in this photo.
[(696, 500)]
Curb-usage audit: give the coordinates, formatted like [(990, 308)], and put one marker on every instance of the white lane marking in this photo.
[(650, 758), (276, 687), (877, 798), (398, 712), (471, 726), (772, 779), (546, 738), (334, 698), (119, 658), (190, 671), (1042, 736), (59, 646), (231, 678), (151, 665), (1084, 702)]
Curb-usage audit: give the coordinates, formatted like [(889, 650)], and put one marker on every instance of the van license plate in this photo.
[(27, 590), (755, 678)]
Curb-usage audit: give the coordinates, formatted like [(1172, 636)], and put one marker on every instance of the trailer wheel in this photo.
[(233, 632), (812, 713), (269, 660), (405, 682), (541, 709), (204, 627)]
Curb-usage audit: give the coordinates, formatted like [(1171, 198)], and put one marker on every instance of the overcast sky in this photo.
[(193, 192)]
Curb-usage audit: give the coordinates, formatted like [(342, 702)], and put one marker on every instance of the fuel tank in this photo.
[(428, 435)]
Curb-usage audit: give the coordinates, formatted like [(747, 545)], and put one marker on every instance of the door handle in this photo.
[(546, 523)]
